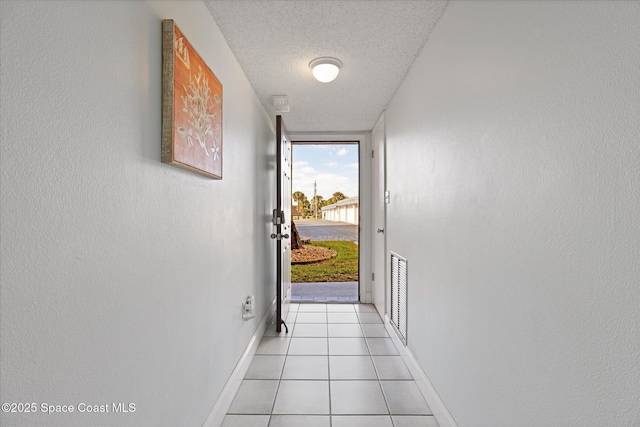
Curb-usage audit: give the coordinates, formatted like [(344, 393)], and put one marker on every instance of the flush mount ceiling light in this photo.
[(325, 69)]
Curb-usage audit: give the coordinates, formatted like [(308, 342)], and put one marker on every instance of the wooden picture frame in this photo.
[(191, 107)]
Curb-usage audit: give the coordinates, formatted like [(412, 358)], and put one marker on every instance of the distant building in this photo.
[(346, 210)]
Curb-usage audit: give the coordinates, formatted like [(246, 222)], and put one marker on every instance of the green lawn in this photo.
[(342, 268)]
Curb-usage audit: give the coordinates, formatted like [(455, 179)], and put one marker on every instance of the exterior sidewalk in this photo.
[(325, 291)]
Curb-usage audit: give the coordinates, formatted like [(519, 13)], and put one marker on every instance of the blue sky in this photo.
[(334, 167)]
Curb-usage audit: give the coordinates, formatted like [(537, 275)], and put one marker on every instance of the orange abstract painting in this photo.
[(191, 107)]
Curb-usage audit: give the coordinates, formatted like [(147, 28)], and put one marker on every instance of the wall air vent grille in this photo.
[(399, 295)]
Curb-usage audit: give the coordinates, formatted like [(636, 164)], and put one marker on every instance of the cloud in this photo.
[(315, 164), (330, 183), (302, 169), (327, 184)]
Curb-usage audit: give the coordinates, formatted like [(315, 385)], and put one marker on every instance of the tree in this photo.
[(296, 241), (299, 197), (307, 207), (337, 196), (316, 205)]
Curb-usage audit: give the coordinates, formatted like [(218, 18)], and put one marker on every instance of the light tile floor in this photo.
[(337, 367)]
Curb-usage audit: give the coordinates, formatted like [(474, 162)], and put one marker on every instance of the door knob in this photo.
[(381, 230), (279, 236)]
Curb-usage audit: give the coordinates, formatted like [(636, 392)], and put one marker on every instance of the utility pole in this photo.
[(315, 198)]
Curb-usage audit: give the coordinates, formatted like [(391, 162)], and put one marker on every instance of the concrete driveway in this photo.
[(320, 229)]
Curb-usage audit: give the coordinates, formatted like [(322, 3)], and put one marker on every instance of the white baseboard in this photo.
[(440, 411), (222, 405)]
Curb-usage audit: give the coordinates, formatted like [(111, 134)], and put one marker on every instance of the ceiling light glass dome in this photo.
[(325, 69)]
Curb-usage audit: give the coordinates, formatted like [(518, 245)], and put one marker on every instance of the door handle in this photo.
[(381, 230), (279, 236)]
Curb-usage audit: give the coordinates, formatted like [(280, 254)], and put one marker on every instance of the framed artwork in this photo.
[(191, 107)]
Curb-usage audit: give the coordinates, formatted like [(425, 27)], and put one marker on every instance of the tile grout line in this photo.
[(286, 355), (328, 367), (375, 368)]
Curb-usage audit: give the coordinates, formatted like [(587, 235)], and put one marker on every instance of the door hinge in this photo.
[(372, 153), (373, 277)]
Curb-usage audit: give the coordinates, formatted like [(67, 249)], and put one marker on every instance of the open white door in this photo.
[(378, 174), (282, 223)]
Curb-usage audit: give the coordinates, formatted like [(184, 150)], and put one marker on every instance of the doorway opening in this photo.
[(325, 211)]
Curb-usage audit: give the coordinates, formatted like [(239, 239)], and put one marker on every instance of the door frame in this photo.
[(363, 139), (379, 256)]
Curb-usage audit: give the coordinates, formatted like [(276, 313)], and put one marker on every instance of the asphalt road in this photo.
[(320, 229)]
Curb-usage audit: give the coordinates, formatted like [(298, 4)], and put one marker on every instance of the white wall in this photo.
[(122, 278), (513, 166)]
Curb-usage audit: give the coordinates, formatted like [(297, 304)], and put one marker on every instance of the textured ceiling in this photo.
[(377, 42)]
